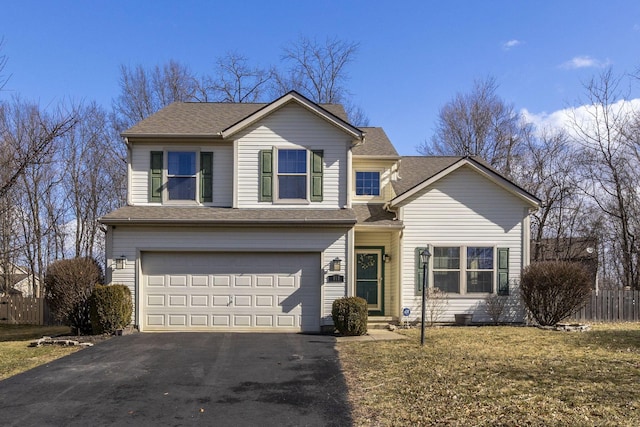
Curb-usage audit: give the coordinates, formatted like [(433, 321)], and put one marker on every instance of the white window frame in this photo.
[(463, 270), (277, 174), (166, 176), (380, 172)]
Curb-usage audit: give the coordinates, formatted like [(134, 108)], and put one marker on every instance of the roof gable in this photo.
[(223, 119), (376, 144), (292, 97), (418, 173)]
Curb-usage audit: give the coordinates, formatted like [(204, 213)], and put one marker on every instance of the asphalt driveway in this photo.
[(217, 379)]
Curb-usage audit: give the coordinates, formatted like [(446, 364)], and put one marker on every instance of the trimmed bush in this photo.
[(68, 284), (350, 315), (553, 290), (110, 308)]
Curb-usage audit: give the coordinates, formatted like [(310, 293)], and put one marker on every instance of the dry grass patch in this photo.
[(497, 376), (15, 354)]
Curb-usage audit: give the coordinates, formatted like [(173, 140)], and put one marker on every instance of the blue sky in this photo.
[(414, 56)]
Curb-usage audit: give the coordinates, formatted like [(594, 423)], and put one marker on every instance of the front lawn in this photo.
[(15, 354), (497, 376)]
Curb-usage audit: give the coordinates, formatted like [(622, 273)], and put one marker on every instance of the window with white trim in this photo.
[(367, 183), (181, 175), (292, 174), (468, 270)]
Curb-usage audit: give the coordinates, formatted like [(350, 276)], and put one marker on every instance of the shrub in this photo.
[(495, 306), (67, 287), (436, 305), (553, 290), (350, 315), (110, 308)]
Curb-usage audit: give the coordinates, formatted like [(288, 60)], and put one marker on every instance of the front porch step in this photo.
[(380, 322)]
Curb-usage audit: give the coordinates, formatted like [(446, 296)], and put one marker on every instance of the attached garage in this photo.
[(184, 291)]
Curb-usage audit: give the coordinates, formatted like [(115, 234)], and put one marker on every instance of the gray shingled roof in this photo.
[(203, 118), (375, 214), (376, 143), (228, 216), (417, 169)]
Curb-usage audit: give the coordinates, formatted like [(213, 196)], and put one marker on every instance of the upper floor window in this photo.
[(186, 176), (292, 174), (181, 175), (367, 183)]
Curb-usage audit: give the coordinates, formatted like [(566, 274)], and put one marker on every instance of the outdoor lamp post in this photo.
[(424, 258)]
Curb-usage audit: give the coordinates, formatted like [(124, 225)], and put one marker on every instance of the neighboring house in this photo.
[(579, 249), (259, 216), (19, 281)]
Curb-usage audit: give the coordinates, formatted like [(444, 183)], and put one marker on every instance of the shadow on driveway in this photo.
[(219, 379)]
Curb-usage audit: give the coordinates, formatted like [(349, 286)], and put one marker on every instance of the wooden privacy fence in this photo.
[(22, 310), (611, 305)]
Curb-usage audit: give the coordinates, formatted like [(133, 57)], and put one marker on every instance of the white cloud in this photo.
[(583, 116), (511, 44), (584, 61)]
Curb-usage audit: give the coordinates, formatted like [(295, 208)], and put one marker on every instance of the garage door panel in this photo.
[(243, 281), (199, 300), (178, 281), (155, 281), (231, 290), (199, 281), (221, 281)]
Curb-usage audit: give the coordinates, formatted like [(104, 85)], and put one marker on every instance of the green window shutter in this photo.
[(503, 271), (266, 175), (206, 177), (419, 277), (155, 177), (316, 175)]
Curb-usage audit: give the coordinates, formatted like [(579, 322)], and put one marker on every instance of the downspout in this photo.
[(129, 170)]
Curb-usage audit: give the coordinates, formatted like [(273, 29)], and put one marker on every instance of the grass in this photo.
[(497, 376), (15, 354)]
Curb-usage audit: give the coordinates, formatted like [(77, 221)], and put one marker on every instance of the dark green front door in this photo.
[(368, 279)]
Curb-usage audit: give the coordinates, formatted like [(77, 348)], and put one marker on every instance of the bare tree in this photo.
[(316, 70), (235, 81), (88, 165), (611, 171), (28, 137), (145, 91), (480, 124), (3, 63)]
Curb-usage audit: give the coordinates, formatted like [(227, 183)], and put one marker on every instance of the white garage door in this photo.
[(239, 291)]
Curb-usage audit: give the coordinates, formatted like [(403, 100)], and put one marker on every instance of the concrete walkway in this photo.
[(374, 335)]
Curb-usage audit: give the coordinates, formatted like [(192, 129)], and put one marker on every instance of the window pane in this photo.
[(181, 188), (446, 258), (447, 281), (292, 187), (368, 183), (480, 258), (292, 161), (480, 281), (182, 163)]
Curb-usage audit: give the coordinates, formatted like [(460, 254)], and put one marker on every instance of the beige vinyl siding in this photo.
[(131, 241), (222, 169), (385, 240), (462, 208), (385, 167), (296, 128)]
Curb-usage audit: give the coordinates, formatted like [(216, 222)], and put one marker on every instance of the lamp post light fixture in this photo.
[(424, 258)]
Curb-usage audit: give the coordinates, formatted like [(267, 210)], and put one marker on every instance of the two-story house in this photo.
[(259, 216)]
